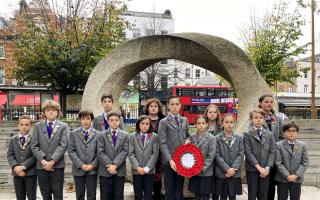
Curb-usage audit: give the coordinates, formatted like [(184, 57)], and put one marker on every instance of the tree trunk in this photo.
[(63, 103)]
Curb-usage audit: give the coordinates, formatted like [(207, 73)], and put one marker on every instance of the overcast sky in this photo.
[(222, 18)]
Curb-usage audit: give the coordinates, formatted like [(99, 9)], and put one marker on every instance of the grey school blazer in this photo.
[(50, 149), (143, 155), (257, 152), (83, 152), (108, 154), (228, 156), (171, 136), (207, 145), (98, 123), (21, 155), (290, 162)]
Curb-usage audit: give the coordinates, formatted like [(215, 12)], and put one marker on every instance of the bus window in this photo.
[(221, 92), (201, 92), (186, 108), (223, 108), (211, 92)]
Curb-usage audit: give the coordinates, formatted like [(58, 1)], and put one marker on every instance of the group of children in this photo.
[(100, 147)]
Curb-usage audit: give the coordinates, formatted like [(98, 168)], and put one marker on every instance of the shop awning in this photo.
[(26, 100)]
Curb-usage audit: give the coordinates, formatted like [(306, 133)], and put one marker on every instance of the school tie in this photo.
[(22, 140), (269, 121), (86, 135), (143, 137), (114, 137), (106, 125), (50, 129), (292, 146), (177, 120), (259, 132)]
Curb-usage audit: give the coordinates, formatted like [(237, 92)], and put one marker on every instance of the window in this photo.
[(1, 23), (305, 74), (207, 73), (2, 55), (164, 32), (197, 73), (149, 32), (188, 73), (305, 89), (289, 89), (175, 73), (164, 83), (164, 62), (136, 32), (1, 76)]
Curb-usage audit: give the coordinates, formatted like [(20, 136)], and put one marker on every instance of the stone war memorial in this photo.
[(213, 53)]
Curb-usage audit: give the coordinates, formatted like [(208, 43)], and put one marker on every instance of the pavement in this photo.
[(308, 193)]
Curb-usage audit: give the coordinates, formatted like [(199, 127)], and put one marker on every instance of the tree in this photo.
[(271, 40), (58, 46)]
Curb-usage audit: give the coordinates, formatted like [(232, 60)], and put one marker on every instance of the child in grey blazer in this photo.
[(22, 161), (113, 147), (100, 122), (202, 184), (82, 149), (143, 155), (49, 144), (259, 145), (291, 161), (173, 131), (229, 156)]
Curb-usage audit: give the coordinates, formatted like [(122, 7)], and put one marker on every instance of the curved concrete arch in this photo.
[(213, 53)]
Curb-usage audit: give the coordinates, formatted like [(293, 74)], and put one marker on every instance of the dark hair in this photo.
[(201, 117), (113, 114), (140, 119), (149, 102), (263, 97), (25, 117), (173, 97), (85, 113), (107, 96), (290, 125), (257, 110), (218, 120), (225, 116)]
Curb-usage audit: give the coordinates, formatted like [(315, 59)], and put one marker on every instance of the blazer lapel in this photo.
[(148, 139), (119, 139), (44, 129), (80, 135), (172, 122), (138, 137), (264, 136), (55, 130), (109, 137), (203, 139), (92, 134), (287, 147)]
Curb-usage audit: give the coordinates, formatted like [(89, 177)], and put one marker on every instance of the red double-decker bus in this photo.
[(195, 99)]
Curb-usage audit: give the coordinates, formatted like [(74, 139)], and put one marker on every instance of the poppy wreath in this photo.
[(195, 161)]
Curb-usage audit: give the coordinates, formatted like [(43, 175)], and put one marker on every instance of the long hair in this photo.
[(218, 120), (263, 97)]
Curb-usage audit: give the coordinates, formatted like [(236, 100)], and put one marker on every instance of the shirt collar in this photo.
[(53, 122), (173, 116), (88, 130), (255, 128), (117, 130), (25, 136)]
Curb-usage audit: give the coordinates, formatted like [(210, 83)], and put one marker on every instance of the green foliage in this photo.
[(271, 41), (60, 49)]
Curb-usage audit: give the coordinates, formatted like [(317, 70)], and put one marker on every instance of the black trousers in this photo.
[(257, 186), (222, 197), (143, 184), (82, 183), (25, 187), (51, 183), (173, 184), (293, 188), (111, 188), (201, 196), (272, 184), (157, 185)]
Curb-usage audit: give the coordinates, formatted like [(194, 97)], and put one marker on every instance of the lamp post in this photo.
[(313, 67)]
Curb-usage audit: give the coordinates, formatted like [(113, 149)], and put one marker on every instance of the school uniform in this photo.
[(173, 132), (100, 123), (82, 149), (259, 148), (143, 152), (230, 153), (19, 154), (50, 142), (290, 159), (202, 184), (113, 147)]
